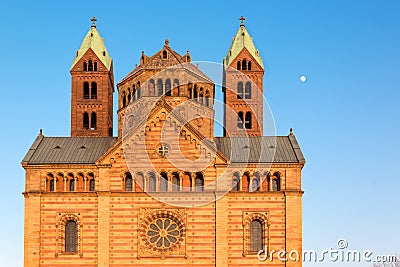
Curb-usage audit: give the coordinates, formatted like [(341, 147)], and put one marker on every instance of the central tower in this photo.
[(243, 86)]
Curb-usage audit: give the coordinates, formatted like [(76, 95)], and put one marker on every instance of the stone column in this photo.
[(169, 182)]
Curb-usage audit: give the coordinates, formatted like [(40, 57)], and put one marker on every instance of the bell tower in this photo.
[(243, 86), (92, 87)]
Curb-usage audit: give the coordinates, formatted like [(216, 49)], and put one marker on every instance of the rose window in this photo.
[(163, 233)]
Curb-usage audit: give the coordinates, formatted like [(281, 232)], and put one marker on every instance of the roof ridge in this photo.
[(296, 148)]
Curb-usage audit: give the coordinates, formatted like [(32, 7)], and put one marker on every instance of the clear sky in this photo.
[(345, 117)]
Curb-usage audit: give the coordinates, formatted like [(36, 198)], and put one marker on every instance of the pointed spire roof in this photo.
[(242, 40), (94, 41)]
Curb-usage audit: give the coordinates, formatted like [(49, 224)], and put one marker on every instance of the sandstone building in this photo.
[(165, 191)]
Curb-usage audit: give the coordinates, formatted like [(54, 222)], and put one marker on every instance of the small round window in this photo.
[(163, 150)]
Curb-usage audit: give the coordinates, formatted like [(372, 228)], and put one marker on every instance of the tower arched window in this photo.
[(276, 182), (52, 185), (190, 89), (95, 66), (247, 120), (129, 95), (71, 236), (164, 182), (176, 85), (152, 182), (138, 92), (249, 65), (240, 90), (84, 66), (151, 88), (235, 182), (133, 94), (199, 182), (86, 120), (255, 183), (195, 93), (128, 181), (175, 182), (93, 92), (93, 121), (72, 184), (168, 87), (90, 65), (247, 94), (92, 184), (244, 64), (86, 90), (201, 98), (164, 54), (207, 98), (123, 99), (160, 88), (256, 236), (240, 120), (238, 65)]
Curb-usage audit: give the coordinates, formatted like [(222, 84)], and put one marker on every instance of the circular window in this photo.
[(163, 150), (162, 231)]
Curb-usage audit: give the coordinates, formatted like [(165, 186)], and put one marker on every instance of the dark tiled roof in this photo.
[(261, 149), (67, 150), (87, 150)]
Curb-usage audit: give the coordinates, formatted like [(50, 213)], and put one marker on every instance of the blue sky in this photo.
[(345, 116)]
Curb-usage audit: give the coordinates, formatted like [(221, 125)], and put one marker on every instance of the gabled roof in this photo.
[(67, 150), (151, 62), (242, 40), (261, 149), (94, 41)]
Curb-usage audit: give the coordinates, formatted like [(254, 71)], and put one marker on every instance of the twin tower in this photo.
[(93, 85)]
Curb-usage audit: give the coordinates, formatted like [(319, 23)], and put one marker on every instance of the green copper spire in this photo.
[(240, 41), (94, 41)]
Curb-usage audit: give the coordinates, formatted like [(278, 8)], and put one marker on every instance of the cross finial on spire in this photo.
[(242, 19), (94, 21)]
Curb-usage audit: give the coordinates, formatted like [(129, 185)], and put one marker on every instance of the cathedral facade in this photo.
[(165, 191)]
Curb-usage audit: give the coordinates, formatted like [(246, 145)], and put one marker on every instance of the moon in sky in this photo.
[(303, 78)]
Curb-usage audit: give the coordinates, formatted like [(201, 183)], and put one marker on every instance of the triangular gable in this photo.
[(160, 107), (90, 54), (249, 57), (157, 61)]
